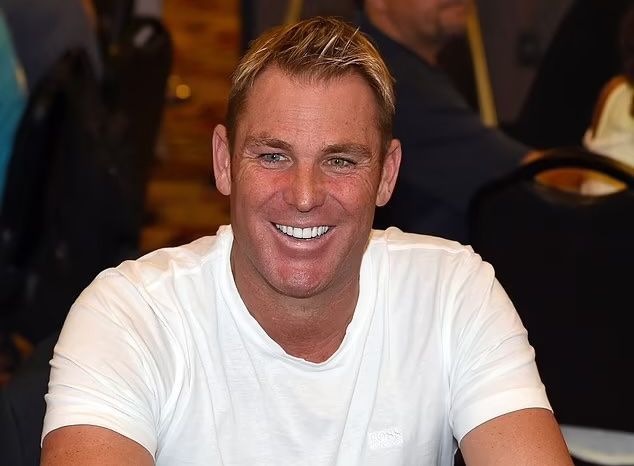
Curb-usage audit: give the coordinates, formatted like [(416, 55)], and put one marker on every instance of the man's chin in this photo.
[(298, 287)]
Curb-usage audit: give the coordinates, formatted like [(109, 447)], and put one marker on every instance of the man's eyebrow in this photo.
[(268, 142), (359, 150)]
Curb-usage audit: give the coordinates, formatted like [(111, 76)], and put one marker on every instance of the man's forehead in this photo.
[(273, 75), (286, 106), (284, 90)]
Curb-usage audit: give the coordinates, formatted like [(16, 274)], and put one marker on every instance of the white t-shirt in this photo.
[(164, 351)]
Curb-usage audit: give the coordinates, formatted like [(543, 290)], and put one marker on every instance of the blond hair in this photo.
[(318, 48)]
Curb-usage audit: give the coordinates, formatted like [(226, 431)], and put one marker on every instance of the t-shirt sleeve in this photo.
[(102, 364), (492, 369)]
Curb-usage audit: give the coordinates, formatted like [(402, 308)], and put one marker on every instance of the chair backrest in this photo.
[(566, 262), (136, 71), (65, 214)]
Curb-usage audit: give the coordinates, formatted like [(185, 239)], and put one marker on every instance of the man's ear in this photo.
[(222, 160), (389, 173)]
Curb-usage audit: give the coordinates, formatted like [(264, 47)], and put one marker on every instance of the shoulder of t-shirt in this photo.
[(426, 257), (393, 239), (150, 269)]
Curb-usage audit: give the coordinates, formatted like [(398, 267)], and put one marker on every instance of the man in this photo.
[(449, 153), (297, 335)]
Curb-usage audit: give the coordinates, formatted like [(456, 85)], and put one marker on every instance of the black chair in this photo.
[(74, 200), (566, 261), (65, 214), (136, 71)]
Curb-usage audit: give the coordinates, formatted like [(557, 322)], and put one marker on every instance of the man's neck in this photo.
[(310, 328)]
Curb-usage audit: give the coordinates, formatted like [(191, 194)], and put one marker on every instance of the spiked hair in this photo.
[(320, 48)]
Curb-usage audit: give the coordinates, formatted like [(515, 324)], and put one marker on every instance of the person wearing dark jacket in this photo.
[(449, 152), (43, 32)]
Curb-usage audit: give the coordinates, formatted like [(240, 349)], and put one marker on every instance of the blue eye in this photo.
[(272, 158)]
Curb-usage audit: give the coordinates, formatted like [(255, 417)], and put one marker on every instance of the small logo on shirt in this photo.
[(386, 438)]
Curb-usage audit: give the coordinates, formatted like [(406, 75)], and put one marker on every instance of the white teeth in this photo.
[(302, 233)]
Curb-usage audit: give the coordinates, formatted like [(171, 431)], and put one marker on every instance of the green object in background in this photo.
[(13, 98)]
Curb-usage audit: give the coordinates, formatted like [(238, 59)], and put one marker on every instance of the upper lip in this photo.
[(302, 224)]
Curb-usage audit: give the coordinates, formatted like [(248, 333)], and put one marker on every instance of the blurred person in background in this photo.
[(43, 32), (34, 36), (448, 152)]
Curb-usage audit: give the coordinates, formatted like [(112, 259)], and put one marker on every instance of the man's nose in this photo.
[(306, 188)]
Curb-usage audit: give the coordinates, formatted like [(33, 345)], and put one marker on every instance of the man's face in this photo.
[(427, 20), (304, 179)]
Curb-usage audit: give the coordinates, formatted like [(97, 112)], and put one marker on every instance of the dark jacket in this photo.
[(447, 152)]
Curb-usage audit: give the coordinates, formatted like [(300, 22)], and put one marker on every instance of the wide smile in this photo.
[(306, 233)]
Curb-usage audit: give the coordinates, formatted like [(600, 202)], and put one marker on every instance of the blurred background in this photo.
[(182, 203)]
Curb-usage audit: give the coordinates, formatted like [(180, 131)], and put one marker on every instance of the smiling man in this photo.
[(298, 335), (307, 167)]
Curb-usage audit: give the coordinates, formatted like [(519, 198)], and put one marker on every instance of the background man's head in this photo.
[(314, 49), (423, 26)]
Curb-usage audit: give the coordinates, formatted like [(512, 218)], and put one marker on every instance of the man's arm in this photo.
[(105, 381), (525, 437), (90, 445)]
